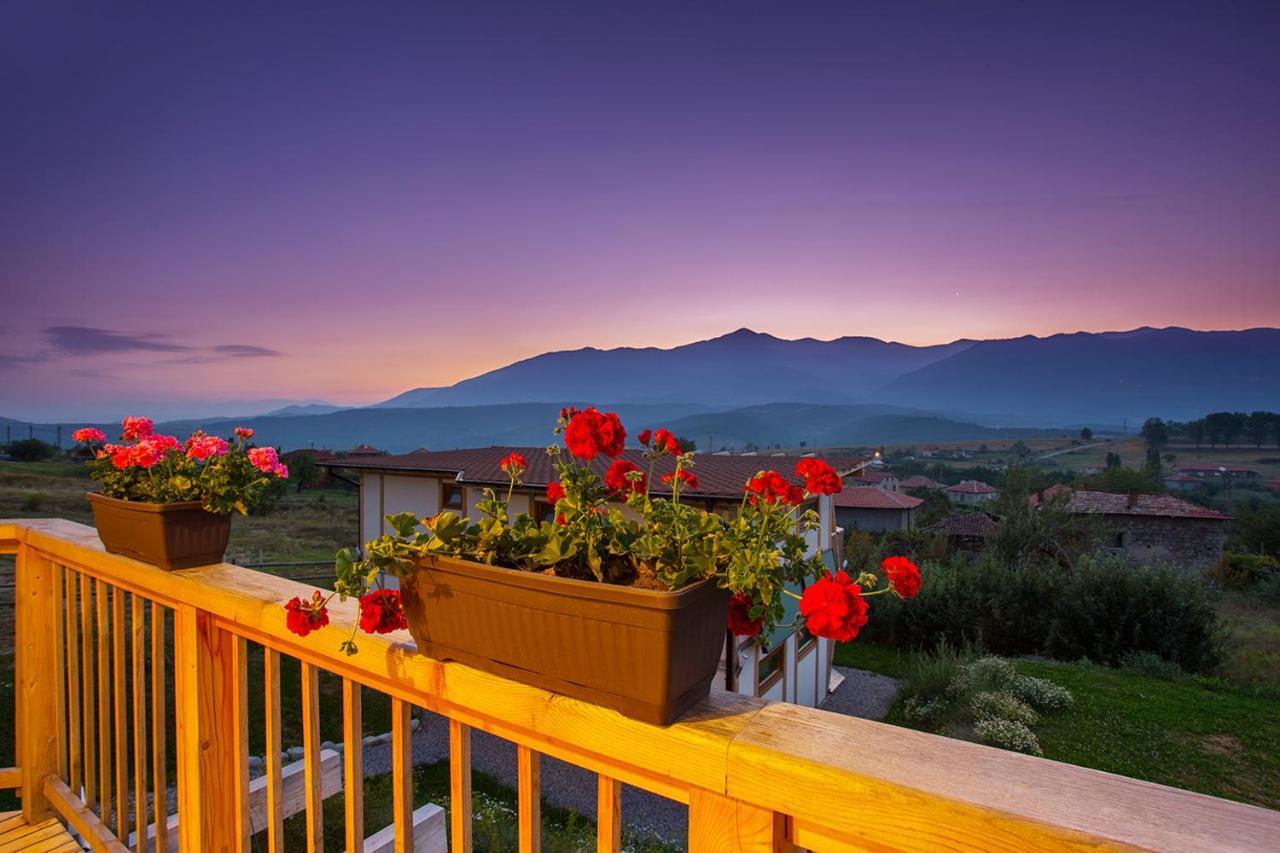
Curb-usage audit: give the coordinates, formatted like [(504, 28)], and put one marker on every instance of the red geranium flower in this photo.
[(772, 488), (89, 435), (643, 437), (903, 574), (833, 607), (244, 432), (555, 492), (561, 520), (306, 615), (664, 440), (591, 433), (618, 482), (686, 476), (740, 621), (514, 464), (136, 427), (381, 612), (819, 477)]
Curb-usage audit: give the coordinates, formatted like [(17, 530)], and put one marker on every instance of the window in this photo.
[(804, 640), (1119, 540), (542, 511), (769, 669), (451, 496)]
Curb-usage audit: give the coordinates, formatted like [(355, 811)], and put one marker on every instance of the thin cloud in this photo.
[(83, 340), (246, 351)]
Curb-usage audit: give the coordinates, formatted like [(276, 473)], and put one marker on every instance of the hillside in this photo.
[(1171, 373)]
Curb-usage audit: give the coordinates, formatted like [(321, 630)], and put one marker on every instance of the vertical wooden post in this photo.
[(460, 785), (353, 764), (401, 776), (310, 677), (608, 814), (159, 698), (275, 784), (212, 737), (39, 738), (720, 824), (529, 794)]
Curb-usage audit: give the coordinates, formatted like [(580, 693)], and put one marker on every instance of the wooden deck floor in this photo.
[(47, 837)]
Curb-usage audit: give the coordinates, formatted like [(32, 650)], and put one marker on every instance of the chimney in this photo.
[(1133, 500)]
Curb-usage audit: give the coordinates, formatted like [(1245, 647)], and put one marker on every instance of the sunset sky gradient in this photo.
[(344, 201)]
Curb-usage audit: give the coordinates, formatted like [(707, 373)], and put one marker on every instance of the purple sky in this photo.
[(341, 203)]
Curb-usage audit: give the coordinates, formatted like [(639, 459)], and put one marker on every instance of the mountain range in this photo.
[(749, 388), (1069, 378)]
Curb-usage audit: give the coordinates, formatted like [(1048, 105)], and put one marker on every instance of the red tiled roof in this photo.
[(1166, 506), (977, 524), (874, 497), (919, 481), (719, 476), (874, 476), (972, 487)]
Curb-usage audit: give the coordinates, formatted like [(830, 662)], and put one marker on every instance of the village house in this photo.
[(1154, 528), (886, 480), (970, 492), (874, 509), (966, 532), (920, 481), (1202, 471), (789, 665)]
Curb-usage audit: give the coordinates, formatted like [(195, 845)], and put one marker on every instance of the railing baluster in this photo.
[(159, 773), (74, 733), (59, 671), (121, 713), (275, 784), (311, 757), (86, 693), (608, 814), (353, 764), (402, 776), (34, 653), (105, 771), (460, 785), (139, 722), (529, 792)]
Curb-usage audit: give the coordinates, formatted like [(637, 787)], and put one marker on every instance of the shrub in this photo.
[(1045, 696), (1152, 666), (1099, 608), (34, 502), (1240, 571), (999, 705), (1007, 734), (30, 450), (1268, 590)]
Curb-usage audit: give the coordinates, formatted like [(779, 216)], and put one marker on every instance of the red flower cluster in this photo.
[(266, 461), (662, 440), (687, 477), (819, 477), (381, 612), (302, 616), (514, 465), (148, 452), (201, 446), (244, 432), (89, 435), (555, 492), (773, 488), (740, 621), (903, 575), (591, 433), (833, 607), (137, 427), (618, 482)]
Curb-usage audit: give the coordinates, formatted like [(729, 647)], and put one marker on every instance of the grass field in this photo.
[(1206, 735)]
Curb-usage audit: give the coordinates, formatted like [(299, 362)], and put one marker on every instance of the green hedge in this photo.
[(1102, 609)]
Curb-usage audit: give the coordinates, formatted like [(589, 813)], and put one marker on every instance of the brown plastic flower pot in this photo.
[(648, 654), (171, 536)]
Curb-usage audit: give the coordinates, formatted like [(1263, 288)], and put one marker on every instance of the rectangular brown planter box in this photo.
[(171, 536), (649, 654)]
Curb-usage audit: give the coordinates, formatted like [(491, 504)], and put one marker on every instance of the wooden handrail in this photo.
[(754, 773)]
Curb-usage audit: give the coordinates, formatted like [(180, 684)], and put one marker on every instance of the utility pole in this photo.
[(59, 436)]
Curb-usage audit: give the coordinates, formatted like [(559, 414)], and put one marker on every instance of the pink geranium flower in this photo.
[(137, 427)]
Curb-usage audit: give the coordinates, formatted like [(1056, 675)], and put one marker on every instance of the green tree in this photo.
[(1155, 432), (1196, 430), (303, 469), (30, 450), (1113, 460), (1117, 478), (1086, 434), (1259, 426)]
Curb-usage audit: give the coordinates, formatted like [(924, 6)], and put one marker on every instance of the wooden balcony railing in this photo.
[(91, 738)]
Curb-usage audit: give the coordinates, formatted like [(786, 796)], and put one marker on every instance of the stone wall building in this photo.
[(1157, 528)]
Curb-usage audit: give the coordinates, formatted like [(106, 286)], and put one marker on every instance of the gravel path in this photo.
[(863, 694)]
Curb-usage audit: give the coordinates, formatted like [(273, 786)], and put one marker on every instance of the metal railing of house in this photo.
[(91, 738)]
